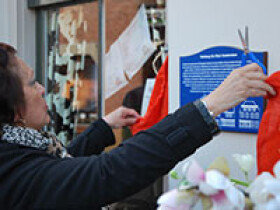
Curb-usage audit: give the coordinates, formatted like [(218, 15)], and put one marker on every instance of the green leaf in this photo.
[(184, 183), (174, 175)]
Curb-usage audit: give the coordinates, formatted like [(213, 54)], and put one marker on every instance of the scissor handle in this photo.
[(255, 60), (243, 59)]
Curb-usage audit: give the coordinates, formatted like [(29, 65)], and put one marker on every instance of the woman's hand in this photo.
[(242, 83), (121, 117)]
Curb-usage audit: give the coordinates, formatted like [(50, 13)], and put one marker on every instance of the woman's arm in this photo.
[(93, 140), (99, 135), (91, 182)]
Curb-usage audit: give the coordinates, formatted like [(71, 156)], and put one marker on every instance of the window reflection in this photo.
[(72, 86)]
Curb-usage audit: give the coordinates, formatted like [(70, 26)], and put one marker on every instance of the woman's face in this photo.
[(35, 114)]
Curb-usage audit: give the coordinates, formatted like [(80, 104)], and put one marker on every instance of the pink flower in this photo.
[(212, 184)]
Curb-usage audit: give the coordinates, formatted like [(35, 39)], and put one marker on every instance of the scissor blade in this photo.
[(242, 39), (247, 36)]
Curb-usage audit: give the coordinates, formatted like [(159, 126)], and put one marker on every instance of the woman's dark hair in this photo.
[(11, 88)]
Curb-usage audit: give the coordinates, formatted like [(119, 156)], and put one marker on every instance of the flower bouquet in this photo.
[(214, 189)]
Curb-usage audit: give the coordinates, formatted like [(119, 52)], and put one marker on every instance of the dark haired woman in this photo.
[(37, 172)]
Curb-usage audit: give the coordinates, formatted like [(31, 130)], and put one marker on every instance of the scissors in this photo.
[(247, 52)]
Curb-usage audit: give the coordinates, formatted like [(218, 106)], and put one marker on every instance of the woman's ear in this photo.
[(19, 116)]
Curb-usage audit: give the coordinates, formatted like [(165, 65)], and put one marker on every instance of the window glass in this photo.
[(71, 74)]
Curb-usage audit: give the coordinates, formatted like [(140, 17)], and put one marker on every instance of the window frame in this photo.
[(52, 3)]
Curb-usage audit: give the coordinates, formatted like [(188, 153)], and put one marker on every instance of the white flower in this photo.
[(212, 188), (217, 186), (176, 199), (245, 162), (276, 170), (265, 190), (257, 191), (217, 180)]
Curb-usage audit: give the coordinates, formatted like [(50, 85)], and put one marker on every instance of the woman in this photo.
[(37, 172)]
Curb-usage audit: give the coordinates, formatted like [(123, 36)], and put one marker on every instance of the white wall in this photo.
[(196, 25), (18, 28), (8, 21), (26, 36)]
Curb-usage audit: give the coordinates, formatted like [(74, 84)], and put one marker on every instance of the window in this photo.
[(69, 38), (69, 63)]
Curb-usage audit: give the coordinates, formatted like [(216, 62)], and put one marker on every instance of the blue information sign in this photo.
[(201, 73)]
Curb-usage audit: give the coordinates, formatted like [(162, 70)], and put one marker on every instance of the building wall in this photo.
[(26, 33), (196, 25), (18, 28), (8, 21)]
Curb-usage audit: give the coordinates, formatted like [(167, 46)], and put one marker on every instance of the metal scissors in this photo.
[(247, 52)]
